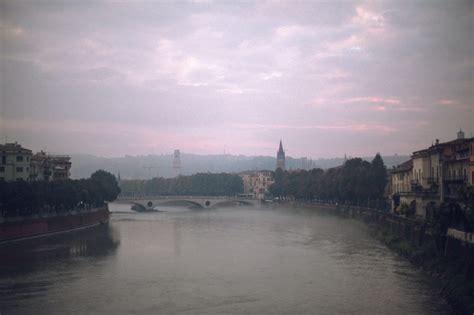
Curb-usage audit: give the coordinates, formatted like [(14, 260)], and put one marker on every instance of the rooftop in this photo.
[(439, 146), (13, 148), (403, 167)]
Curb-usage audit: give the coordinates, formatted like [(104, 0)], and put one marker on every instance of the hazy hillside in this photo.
[(147, 166)]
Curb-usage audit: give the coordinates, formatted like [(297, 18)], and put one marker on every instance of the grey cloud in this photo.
[(197, 68)]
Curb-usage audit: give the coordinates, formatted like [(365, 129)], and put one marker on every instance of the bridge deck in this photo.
[(150, 202)]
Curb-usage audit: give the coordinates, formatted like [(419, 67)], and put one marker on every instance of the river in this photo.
[(222, 261)]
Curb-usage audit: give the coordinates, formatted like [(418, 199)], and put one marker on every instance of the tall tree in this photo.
[(378, 177)]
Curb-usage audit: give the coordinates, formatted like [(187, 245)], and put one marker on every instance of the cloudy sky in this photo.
[(114, 78)]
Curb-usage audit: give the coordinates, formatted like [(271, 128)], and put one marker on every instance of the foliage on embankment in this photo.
[(201, 184), (356, 182), (21, 198)]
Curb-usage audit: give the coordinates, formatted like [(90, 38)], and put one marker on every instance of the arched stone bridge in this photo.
[(148, 203)]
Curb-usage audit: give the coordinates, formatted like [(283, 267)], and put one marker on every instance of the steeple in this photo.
[(280, 149), (281, 157)]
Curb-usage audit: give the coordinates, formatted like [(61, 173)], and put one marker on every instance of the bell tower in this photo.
[(176, 163), (280, 157)]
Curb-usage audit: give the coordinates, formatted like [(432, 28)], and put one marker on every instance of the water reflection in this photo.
[(24, 256), (30, 268), (232, 261)]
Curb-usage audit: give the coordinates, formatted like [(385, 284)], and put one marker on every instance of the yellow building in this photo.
[(437, 174), (257, 183)]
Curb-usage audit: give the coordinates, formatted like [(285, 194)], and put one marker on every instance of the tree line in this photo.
[(27, 198), (357, 182), (200, 184)]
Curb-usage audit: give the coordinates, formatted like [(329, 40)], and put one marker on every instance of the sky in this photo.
[(328, 78)]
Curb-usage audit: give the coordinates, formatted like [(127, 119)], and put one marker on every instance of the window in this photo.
[(4, 159), (19, 169), (27, 159), (19, 158), (2, 169), (465, 174)]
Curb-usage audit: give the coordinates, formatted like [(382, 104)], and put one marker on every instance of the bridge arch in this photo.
[(135, 206), (178, 202), (150, 203), (233, 202)]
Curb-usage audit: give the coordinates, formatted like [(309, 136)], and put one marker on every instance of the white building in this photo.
[(50, 167), (14, 162)]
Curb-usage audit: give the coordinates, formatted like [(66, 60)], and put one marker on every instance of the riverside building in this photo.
[(433, 175), (18, 163), (50, 167), (257, 183), (15, 162)]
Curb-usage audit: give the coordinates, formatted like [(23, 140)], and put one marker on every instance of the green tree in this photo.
[(107, 184), (279, 187), (378, 177)]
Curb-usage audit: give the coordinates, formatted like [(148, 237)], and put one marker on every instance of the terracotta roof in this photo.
[(403, 167), (444, 144)]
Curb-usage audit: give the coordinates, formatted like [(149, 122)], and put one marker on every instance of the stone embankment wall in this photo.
[(417, 232), (36, 226)]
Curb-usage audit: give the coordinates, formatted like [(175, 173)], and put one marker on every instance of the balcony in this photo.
[(455, 179)]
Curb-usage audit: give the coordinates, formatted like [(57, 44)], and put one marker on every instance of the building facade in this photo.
[(435, 175), (257, 183), (281, 161), (471, 163), (14, 162), (50, 167), (401, 178)]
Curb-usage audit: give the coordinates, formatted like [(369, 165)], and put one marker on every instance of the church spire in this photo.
[(280, 157)]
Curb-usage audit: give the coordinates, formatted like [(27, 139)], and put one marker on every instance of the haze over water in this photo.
[(224, 261)]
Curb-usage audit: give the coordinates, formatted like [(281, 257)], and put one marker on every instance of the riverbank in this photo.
[(451, 273), (448, 259), (22, 227)]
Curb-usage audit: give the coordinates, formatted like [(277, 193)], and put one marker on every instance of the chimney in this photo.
[(437, 141), (460, 134)]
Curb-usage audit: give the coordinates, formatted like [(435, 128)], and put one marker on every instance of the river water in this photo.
[(224, 261)]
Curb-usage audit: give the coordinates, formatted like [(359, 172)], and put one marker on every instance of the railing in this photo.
[(144, 197), (456, 178)]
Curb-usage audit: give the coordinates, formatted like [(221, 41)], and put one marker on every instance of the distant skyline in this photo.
[(328, 78)]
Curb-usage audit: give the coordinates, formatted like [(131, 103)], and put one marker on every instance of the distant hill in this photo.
[(148, 166)]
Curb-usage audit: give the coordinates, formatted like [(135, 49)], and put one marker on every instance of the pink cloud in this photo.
[(373, 99), (447, 102), (379, 108), (336, 126)]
